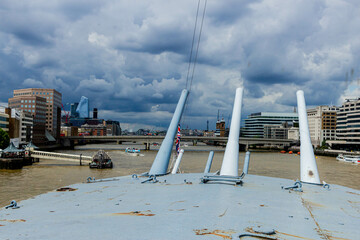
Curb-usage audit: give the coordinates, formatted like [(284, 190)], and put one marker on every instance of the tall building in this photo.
[(83, 108), (73, 112), (220, 128), (256, 122), (348, 121), (37, 96), (36, 106), (322, 124)]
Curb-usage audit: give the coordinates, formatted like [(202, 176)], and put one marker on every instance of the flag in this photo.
[(178, 140)]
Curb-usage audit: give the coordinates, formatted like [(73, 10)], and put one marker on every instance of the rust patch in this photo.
[(66, 189), (2, 225), (354, 193), (219, 233), (136, 213), (263, 205), (319, 230), (311, 173), (314, 204), (13, 220), (291, 235)]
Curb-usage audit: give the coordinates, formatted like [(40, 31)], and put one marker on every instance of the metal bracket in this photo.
[(215, 178), (296, 187), (90, 180), (151, 179), (12, 205)]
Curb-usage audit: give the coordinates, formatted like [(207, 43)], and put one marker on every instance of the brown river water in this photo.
[(48, 175)]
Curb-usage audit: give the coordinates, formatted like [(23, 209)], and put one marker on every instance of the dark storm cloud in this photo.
[(130, 57)]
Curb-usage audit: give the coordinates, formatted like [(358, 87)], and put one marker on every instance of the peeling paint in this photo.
[(136, 213), (219, 233), (13, 221)]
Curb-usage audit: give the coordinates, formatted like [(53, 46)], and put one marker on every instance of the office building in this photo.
[(4, 120), (83, 109), (73, 113), (37, 98), (348, 121), (322, 124), (36, 106), (20, 126), (256, 122), (113, 128)]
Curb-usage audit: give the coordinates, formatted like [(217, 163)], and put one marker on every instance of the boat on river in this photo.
[(225, 204), (349, 158), (132, 150), (101, 160)]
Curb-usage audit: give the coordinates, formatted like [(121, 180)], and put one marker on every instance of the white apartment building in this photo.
[(322, 123), (348, 121)]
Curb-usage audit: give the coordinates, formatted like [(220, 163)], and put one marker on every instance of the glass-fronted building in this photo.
[(256, 122)]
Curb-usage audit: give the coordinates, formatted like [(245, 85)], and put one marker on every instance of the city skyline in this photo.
[(131, 58)]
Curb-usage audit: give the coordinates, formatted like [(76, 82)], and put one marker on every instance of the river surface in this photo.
[(48, 175)]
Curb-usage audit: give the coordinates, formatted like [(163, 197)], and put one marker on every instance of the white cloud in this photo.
[(29, 82)]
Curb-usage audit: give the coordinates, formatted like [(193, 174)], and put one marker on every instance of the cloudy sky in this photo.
[(130, 58)]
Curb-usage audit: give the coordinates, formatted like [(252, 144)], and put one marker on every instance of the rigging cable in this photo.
[(192, 45), (196, 54), (197, 48)]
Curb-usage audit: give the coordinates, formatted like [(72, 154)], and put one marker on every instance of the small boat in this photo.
[(101, 160), (132, 150), (349, 158)]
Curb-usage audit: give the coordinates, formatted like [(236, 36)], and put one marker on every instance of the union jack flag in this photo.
[(177, 146)]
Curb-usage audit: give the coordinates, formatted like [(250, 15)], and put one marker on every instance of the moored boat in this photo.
[(101, 160), (349, 158)]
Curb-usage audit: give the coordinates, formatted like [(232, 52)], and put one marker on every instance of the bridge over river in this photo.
[(149, 140)]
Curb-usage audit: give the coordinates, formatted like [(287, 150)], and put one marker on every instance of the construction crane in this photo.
[(65, 113)]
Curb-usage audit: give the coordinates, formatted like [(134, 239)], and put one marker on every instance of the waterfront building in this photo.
[(220, 128), (37, 98), (348, 121), (36, 106), (254, 124), (20, 126), (322, 124), (67, 131), (112, 128), (93, 130), (293, 133), (4, 121), (275, 132)]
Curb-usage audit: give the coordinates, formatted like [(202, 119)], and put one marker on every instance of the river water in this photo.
[(48, 175)]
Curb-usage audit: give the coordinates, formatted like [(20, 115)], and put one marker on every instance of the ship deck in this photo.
[(182, 207)]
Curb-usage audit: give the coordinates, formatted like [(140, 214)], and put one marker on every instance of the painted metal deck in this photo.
[(181, 207)]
